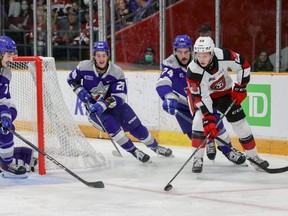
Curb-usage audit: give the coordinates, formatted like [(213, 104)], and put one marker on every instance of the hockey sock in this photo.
[(144, 136)]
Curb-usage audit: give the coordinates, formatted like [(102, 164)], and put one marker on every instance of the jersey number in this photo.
[(5, 88), (169, 72), (120, 86)]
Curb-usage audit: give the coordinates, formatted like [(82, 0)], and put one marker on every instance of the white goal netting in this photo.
[(63, 140)]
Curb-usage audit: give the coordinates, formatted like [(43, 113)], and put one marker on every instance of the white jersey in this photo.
[(214, 81)]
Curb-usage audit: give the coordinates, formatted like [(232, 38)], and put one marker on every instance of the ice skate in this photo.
[(160, 150), (197, 165), (12, 170), (262, 163), (211, 150), (235, 157), (141, 156)]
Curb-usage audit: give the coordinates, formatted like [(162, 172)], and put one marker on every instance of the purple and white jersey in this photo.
[(111, 83), (5, 97), (173, 81)]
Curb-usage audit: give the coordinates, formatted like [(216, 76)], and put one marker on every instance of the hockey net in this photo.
[(43, 117)]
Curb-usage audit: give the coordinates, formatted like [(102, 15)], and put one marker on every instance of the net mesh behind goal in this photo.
[(43, 117)]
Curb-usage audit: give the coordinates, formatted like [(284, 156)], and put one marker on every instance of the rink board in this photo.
[(265, 107)]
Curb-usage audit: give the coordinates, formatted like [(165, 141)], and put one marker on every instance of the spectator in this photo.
[(84, 37), (41, 33), (3, 16), (149, 58), (24, 20), (205, 30), (132, 5), (14, 8), (262, 63), (73, 28), (144, 10), (121, 13)]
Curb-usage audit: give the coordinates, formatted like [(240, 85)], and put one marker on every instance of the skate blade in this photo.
[(242, 165), (171, 156), (147, 162), (13, 176)]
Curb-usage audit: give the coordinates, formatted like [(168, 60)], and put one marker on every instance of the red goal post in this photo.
[(43, 117)]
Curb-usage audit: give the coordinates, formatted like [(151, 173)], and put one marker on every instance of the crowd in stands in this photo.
[(70, 20)]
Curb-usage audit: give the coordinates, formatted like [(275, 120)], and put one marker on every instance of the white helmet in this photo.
[(204, 44)]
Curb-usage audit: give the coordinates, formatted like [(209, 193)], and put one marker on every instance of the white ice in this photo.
[(136, 189)]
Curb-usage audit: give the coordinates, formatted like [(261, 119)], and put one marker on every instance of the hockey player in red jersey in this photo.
[(210, 86)]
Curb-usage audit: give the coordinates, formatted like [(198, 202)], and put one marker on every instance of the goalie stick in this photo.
[(268, 170), (168, 187), (98, 184)]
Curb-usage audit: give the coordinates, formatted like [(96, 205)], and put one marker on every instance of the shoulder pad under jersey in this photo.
[(6, 72), (219, 53), (116, 71), (193, 67), (86, 65), (171, 62)]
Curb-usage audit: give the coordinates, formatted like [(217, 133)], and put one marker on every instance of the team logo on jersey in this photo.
[(181, 75), (87, 77), (235, 56), (74, 74), (193, 87), (99, 91), (219, 84)]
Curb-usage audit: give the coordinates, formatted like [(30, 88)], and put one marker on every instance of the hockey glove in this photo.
[(82, 94), (101, 105), (239, 93), (169, 105), (6, 122), (209, 124)]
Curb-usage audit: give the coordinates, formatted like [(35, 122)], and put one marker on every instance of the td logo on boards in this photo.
[(257, 105)]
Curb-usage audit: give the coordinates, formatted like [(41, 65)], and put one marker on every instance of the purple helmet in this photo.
[(182, 41), (7, 45), (101, 46)]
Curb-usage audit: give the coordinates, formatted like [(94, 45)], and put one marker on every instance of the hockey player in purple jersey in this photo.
[(171, 87), (8, 112), (102, 85)]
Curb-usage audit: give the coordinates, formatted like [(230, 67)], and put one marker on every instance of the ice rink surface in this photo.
[(136, 189)]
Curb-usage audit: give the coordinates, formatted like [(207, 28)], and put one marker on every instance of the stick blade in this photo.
[(168, 187), (98, 184), (116, 153)]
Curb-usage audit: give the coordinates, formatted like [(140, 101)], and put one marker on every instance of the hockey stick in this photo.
[(116, 152), (177, 112), (168, 187), (268, 170), (98, 184)]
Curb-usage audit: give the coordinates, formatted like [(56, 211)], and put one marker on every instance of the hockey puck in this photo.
[(168, 187)]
